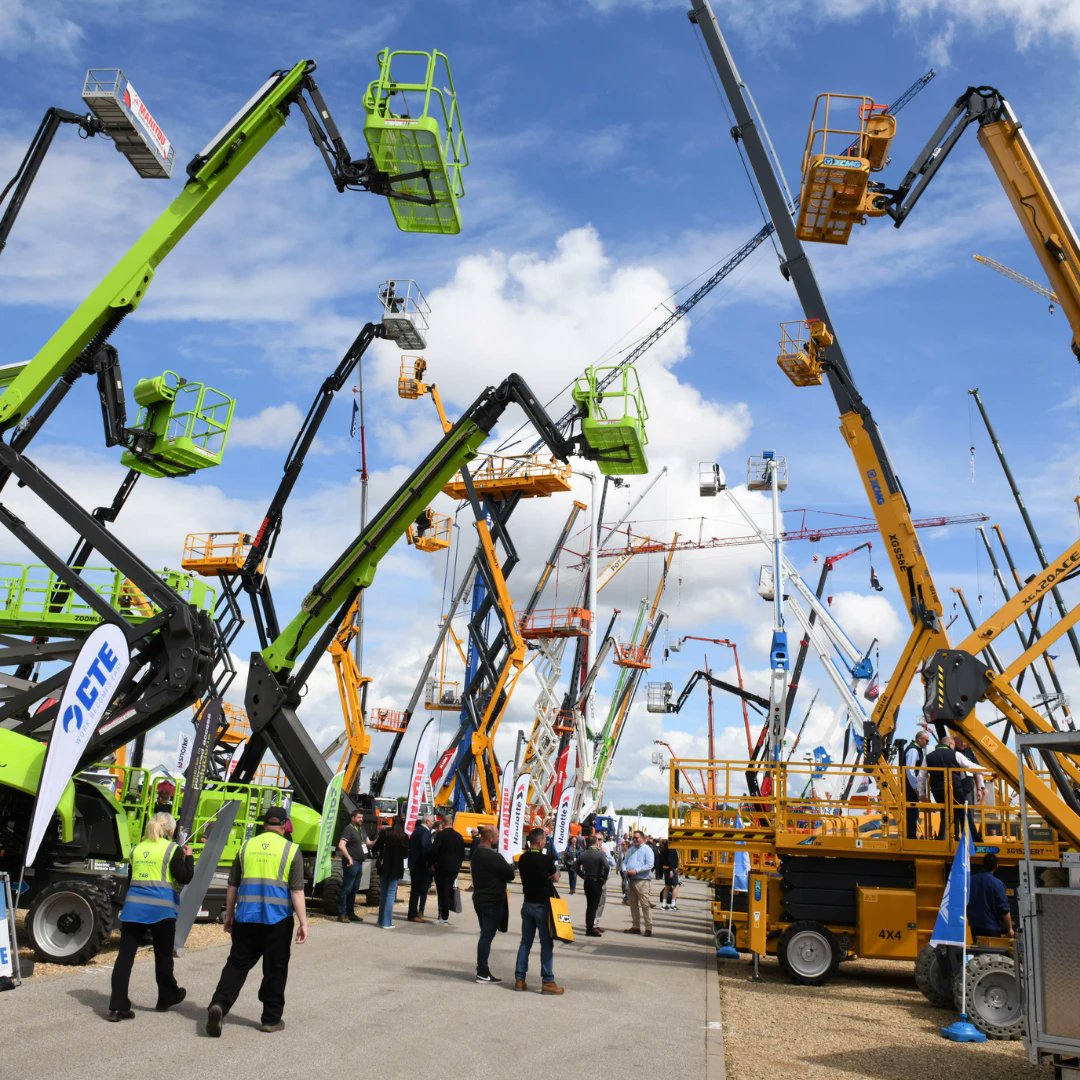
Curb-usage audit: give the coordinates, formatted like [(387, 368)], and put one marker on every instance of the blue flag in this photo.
[(822, 761), (951, 925), (740, 882)]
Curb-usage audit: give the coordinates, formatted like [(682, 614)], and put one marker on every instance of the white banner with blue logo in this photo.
[(951, 925), (91, 685), (561, 836), (740, 880)]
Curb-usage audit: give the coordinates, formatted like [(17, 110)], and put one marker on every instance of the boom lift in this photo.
[(800, 928), (279, 672)]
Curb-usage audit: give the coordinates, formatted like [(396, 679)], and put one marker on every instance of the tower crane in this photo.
[(1020, 279)]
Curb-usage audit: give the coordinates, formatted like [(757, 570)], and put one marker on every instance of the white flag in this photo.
[(513, 830), (504, 820), (237, 754), (94, 677), (562, 818), (419, 776), (183, 752)]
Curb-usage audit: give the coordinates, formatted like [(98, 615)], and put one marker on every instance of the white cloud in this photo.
[(273, 428), (27, 27)]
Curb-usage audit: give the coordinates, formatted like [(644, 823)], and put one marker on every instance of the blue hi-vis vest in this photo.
[(152, 895), (263, 895)]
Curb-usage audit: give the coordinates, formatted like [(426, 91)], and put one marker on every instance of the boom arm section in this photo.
[(1021, 175), (273, 687)]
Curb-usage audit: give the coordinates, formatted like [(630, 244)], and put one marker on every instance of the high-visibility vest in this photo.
[(263, 895), (153, 894)]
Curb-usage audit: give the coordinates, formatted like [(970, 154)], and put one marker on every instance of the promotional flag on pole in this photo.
[(504, 820), (419, 776), (442, 767), (327, 828), (94, 676), (237, 754), (209, 721), (183, 752), (561, 836), (951, 925), (354, 424), (740, 881), (519, 812)]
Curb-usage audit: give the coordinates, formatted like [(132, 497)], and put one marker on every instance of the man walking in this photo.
[(915, 779), (266, 885), (637, 866), (446, 856), (419, 851), (353, 848), (539, 872), (491, 873), (592, 865)]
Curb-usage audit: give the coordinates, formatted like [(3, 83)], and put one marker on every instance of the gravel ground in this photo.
[(868, 1021)]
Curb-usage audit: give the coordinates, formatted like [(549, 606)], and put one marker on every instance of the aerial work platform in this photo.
[(498, 478), (210, 554), (613, 419), (418, 142), (557, 623), (35, 601), (387, 720), (848, 139)]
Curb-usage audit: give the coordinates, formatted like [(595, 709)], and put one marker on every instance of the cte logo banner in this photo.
[(91, 686)]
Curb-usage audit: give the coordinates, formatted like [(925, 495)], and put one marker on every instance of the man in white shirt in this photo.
[(915, 776)]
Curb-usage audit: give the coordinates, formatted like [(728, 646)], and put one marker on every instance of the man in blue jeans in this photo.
[(538, 871), (353, 848)]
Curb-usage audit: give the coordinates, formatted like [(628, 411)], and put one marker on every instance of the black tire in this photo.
[(69, 921), (993, 1001), (331, 888), (932, 977), (809, 953)]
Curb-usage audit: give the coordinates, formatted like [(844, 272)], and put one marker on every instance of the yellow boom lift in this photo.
[(818, 891)]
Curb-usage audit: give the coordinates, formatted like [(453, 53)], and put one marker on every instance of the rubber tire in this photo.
[(331, 887), (932, 979), (982, 970), (87, 901), (791, 962)]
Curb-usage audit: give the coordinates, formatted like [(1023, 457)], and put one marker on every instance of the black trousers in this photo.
[(444, 888), (250, 943), (593, 888), (163, 934), (912, 813), (418, 890), (488, 916)]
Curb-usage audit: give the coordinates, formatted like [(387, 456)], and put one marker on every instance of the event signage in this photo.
[(327, 828), (93, 680), (419, 776)]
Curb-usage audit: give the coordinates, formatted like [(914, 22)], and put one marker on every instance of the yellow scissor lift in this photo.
[(848, 140)]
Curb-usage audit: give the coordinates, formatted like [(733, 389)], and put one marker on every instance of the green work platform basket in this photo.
[(415, 127), (613, 416), (188, 420), (33, 600)]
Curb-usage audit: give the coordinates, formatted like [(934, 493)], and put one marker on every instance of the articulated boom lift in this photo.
[(279, 672), (858, 860)]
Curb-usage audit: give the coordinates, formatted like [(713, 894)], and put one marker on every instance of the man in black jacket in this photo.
[(491, 873), (419, 851), (592, 865), (943, 757), (445, 859)]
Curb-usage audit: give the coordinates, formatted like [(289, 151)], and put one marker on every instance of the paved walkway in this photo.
[(363, 1001)]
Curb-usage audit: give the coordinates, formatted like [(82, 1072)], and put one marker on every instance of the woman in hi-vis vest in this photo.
[(159, 866)]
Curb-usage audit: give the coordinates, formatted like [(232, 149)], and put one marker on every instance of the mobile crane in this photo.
[(796, 922)]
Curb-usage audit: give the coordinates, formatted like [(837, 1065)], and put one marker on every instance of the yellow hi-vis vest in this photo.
[(263, 895), (153, 894)]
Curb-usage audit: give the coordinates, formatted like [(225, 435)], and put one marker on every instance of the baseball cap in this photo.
[(275, 816)]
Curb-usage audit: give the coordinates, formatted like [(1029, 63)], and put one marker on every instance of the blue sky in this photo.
[(602, 180)]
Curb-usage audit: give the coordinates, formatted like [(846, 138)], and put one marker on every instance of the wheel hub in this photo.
[(68, 923)]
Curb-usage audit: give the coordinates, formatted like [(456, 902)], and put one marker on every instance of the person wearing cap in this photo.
[(266, 886)]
